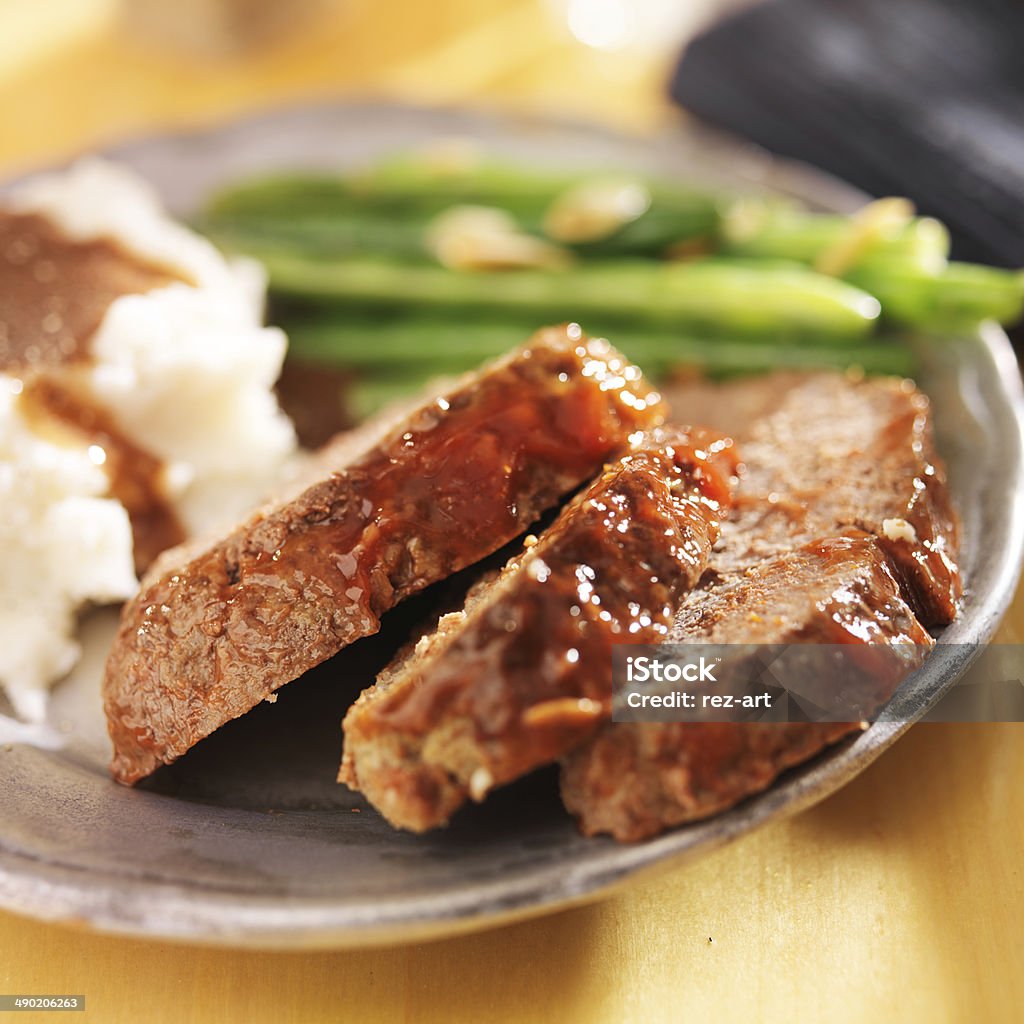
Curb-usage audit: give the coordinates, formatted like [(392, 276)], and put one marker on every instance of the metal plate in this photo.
[(247, 840)]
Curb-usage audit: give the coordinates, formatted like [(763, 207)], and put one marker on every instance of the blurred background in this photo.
[(922, 98), (74, 73)]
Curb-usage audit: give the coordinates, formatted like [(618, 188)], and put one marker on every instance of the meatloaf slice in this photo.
[(823, 455), (634, 780), (523, 673), (218, 628), (828, 453)]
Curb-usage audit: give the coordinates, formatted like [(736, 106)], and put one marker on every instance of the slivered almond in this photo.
[(562, 711)]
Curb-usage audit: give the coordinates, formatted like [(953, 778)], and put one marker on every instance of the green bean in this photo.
[(400, 346), (399, 189), (792, 234), (657, 231), (346, 222), (335, 236), (959, 297), (714, 295)]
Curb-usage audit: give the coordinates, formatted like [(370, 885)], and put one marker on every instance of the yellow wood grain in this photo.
[(900, 898)]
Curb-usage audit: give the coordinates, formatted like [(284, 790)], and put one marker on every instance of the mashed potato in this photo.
[(185, 371), (64, 543)]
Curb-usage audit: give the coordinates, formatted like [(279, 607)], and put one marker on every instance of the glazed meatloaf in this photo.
[(522, 674), (637, 778), (827, 456), (218, 628), (826, 453)]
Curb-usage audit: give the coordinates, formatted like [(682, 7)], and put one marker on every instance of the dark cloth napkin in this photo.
[(923, 98)]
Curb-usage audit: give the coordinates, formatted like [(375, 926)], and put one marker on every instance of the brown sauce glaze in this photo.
[(458, 474), (136, 477), (528, 676), (927, 563), (633, 780), (54, 292)]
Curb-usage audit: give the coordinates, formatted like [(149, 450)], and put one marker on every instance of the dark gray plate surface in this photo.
[(248, 841)]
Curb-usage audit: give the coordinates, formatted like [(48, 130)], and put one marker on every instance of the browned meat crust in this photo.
[(523, 673), (636, 779), (826, 456), (216, 630)]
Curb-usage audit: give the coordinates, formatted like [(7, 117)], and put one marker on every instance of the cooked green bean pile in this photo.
[(420, 266)]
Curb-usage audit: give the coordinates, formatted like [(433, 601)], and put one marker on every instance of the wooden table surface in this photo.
[(901, 897)]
